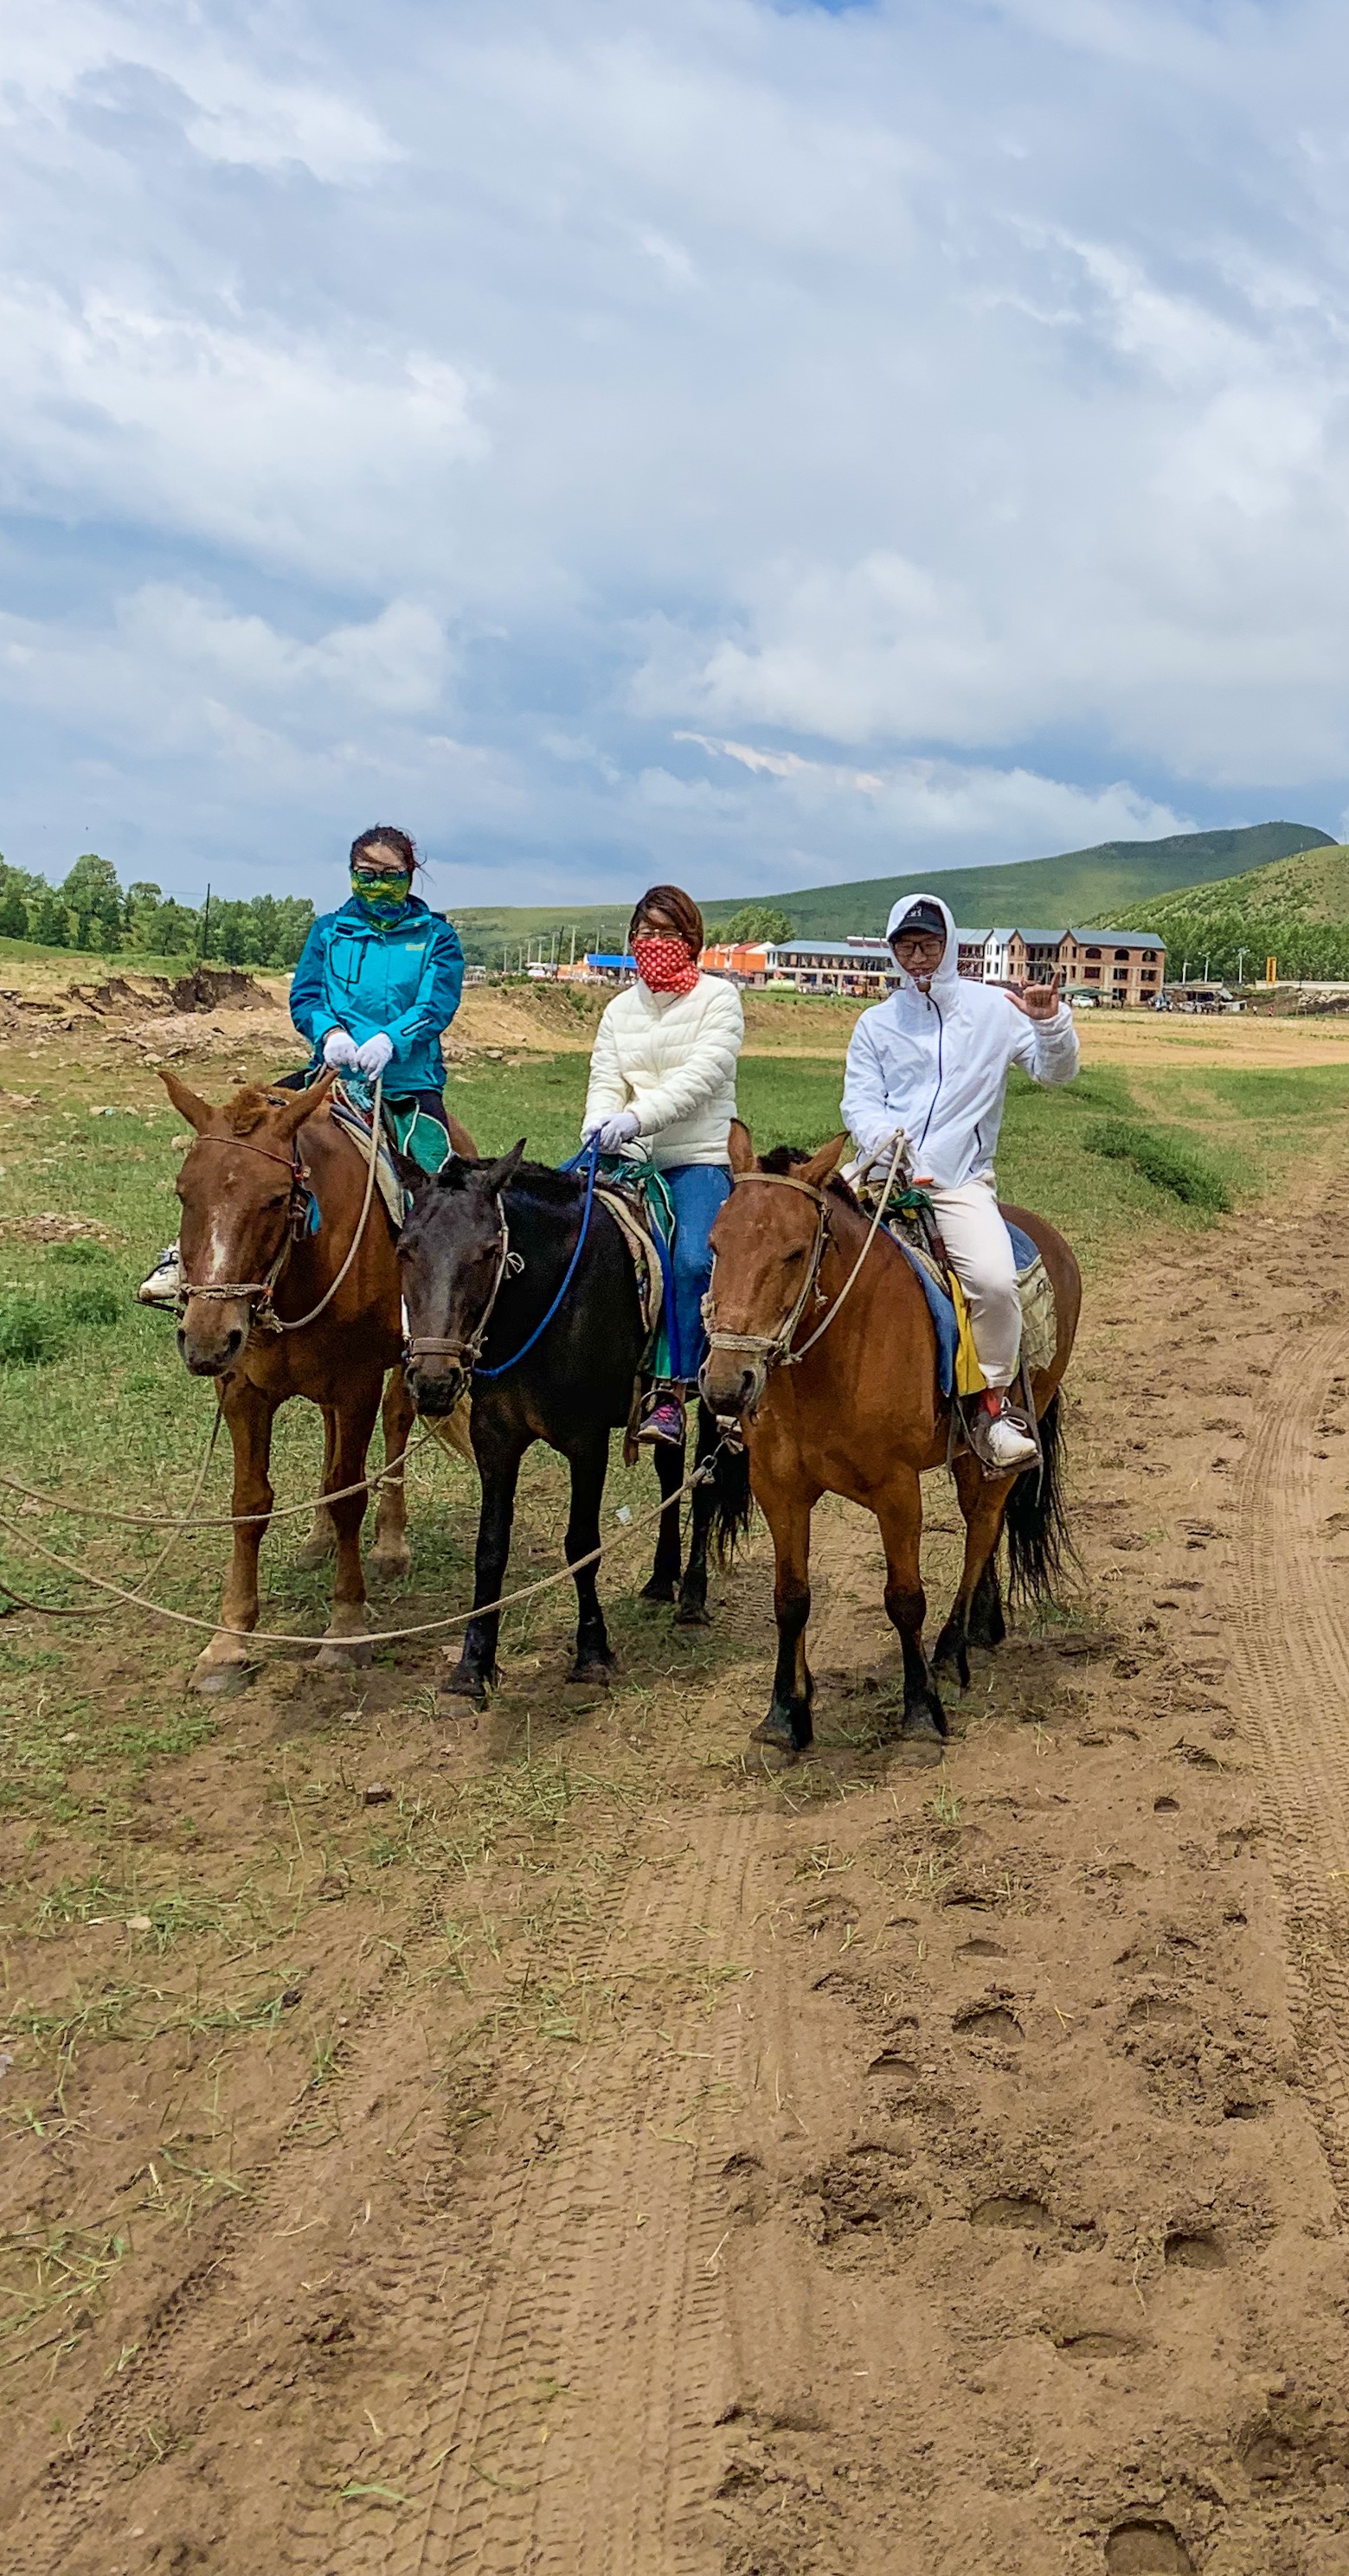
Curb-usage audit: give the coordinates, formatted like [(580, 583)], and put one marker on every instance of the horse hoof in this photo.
[(389, 1565), (465, 1683), (693, 1614), (452, 1703), (315, 1551), (924, 1725), (342, 1654), (661, 1588), (221, 1681), (595, 1676), (779, 1733)]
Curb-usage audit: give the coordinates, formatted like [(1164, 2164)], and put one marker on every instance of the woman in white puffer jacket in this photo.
[(662, 1075)]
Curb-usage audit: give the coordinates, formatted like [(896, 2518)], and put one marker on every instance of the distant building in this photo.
[(608, 967), (1127, 967)]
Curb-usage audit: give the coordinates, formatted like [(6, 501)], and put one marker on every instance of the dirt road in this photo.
[(874, 2170)]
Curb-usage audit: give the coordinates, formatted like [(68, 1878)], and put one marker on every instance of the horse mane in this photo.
[(784, 1160), (537, 1181), (249, 1108)]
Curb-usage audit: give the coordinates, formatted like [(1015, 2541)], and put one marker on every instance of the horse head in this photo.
[(453, 1252), (767, 1244), (237, 1188)]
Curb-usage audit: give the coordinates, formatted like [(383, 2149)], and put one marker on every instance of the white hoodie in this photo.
[(936, 1064)]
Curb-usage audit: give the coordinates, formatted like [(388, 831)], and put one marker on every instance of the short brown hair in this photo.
[(673, 911)]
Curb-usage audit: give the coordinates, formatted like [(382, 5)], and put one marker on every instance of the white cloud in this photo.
[(927, 414)]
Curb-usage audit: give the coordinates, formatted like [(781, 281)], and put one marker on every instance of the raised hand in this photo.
[(1038, 1001)]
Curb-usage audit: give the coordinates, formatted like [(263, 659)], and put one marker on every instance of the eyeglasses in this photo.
[(380, 876), (914, 943)]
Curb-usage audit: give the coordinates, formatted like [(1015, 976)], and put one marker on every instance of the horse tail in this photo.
[(1039, 1543), (732, 1501)]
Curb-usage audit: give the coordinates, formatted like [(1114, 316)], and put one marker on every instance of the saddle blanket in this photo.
[(958, 1365), (354, 1116)]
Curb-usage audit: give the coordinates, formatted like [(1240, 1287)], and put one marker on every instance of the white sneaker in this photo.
[(1003, 1444), (164, 1284)]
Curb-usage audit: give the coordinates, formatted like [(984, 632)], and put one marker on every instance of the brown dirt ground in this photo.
[(590, 2153)]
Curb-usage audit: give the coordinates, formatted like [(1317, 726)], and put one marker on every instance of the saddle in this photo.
[(354, 1115), (910, 1222)]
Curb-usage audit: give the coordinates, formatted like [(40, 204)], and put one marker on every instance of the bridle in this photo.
[(777, 1346), (259, 1293), (465, 1349), (768, 1349)]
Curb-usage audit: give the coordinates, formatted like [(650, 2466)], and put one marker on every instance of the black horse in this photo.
[(485, 1250)]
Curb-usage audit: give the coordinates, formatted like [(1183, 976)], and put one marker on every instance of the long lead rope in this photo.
[(373, 1636)]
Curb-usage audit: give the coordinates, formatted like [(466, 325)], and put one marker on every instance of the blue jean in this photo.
[(697, 1191)]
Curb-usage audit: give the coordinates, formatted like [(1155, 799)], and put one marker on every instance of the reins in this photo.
[(466, 1348), (776, 1347), (226, 1292)]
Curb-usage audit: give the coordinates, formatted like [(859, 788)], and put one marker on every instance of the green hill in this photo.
[(1296, 909), (1079, 885)]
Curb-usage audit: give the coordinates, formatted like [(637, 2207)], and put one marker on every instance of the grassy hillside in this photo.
[(1079, 885), (1297, 910)]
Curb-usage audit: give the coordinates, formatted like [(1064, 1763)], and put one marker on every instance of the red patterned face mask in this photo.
[(665, 965)]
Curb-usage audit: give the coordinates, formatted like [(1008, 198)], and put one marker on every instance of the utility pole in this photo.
[(1241, 960), (572, 959), (206, 921)]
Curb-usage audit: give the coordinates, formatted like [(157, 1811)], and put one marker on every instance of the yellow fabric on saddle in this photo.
[(970, 1378)]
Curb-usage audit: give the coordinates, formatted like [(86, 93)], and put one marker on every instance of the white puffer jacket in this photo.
[(672, 1058)]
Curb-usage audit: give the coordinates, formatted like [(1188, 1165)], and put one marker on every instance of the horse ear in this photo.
[(740, 1147), (302, 1104), (189, 1105), (496, 1175), (821, 1165)]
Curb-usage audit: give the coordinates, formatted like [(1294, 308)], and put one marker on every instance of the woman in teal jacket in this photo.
[(377, 985)]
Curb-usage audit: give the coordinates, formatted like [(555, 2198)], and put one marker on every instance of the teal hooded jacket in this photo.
[(404, 977)]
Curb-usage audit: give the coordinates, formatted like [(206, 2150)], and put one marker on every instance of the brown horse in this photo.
[(247, 1247), (861, 1415)]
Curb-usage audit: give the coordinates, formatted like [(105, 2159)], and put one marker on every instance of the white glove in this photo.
[(373, 1056), (340, 1051), (618, 1131)]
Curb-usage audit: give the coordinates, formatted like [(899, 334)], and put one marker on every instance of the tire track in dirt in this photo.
[(1294, 1665), (567, 2420), (180, 2333)]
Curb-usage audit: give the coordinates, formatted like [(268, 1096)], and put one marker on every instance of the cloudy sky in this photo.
[(747, 441)]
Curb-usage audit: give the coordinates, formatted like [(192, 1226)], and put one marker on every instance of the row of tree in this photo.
[(90, 911), (1227, 945)]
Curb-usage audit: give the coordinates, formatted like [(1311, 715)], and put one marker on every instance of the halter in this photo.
[(465, 1349), (768, 1347), (777, 1346), (299, 1217)]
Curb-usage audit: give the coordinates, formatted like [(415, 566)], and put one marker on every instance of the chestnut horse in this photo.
[(246, 1241), (861, 1414)]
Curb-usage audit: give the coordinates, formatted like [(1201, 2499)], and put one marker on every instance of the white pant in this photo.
[(976, 1237)]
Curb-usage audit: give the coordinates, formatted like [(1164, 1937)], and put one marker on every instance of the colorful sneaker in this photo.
[(165, 1281), (663, 1420)]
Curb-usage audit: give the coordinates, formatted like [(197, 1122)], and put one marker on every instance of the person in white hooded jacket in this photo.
[(662, 1080), (930, 1065)]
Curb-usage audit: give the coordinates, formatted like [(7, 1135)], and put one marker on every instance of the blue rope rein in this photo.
[(590, 1156)]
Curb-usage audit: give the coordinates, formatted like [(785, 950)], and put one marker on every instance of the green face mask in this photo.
[(383, 898)]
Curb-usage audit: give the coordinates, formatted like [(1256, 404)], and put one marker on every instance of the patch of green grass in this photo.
[(1161, 1159)]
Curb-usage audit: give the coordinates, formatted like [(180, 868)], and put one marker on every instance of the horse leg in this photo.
[(248, 1412), (693, 1590), (322, 1540), (390, 1555), (787, 1510), (589, 1466), (664, 1583), (976, 1613), (900, 1514), (499, 1468), (347, 1641)]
